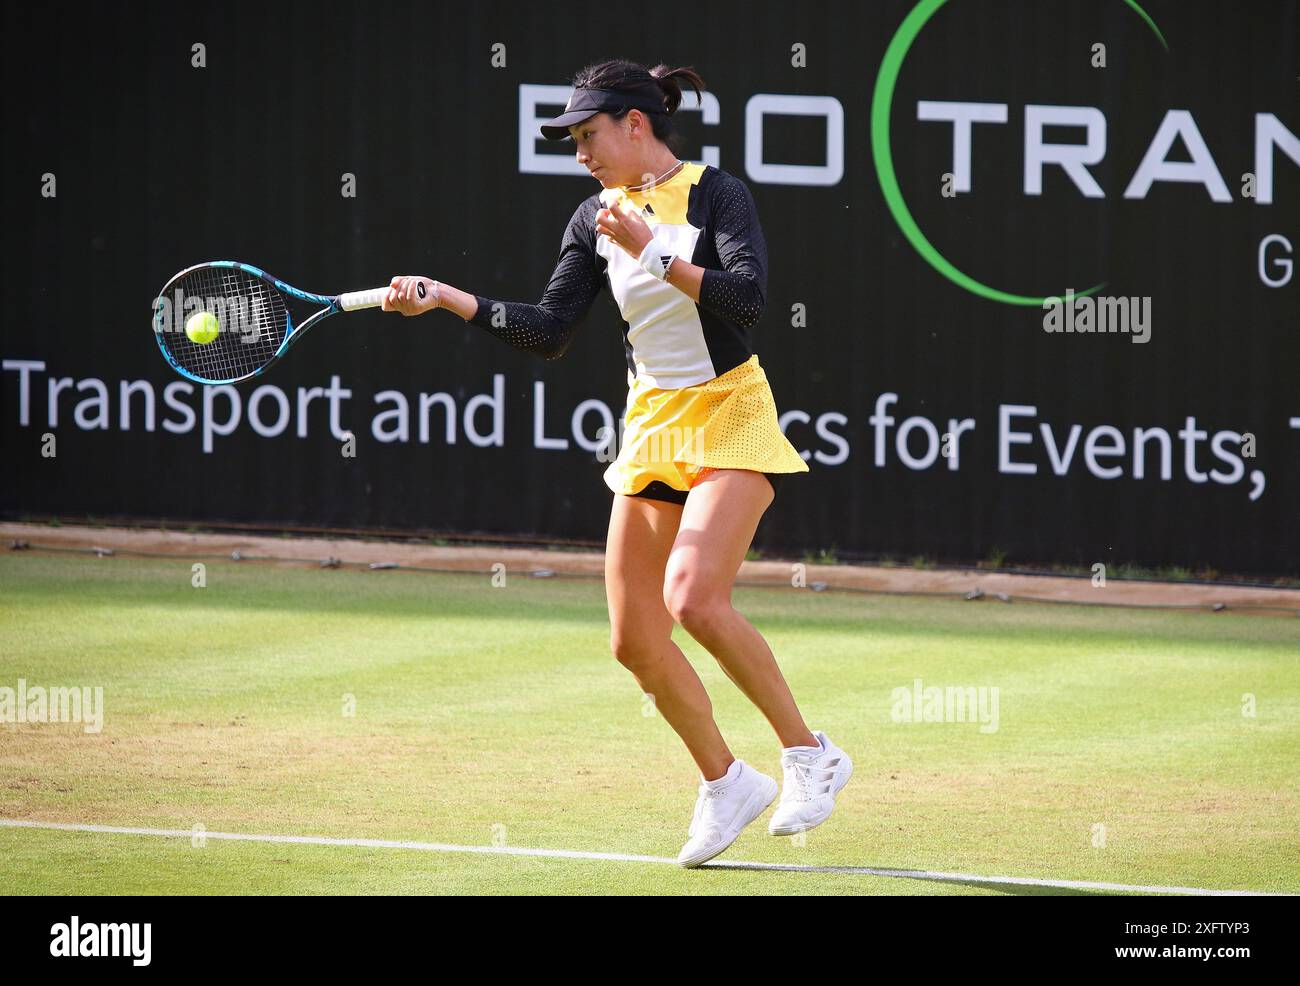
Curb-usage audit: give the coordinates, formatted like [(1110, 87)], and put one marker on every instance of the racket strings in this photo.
[(252, 322)]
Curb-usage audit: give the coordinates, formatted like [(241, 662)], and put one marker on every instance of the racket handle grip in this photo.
[(353, 300)]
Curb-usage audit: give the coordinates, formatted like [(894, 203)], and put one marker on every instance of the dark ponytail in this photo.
[(621, 74)]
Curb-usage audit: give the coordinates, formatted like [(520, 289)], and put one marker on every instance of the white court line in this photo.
[(316, 840)]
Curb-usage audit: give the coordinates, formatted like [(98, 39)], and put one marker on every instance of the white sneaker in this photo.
[(812, 779), (721, 814)]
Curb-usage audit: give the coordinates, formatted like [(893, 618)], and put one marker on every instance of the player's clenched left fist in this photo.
[(411, 295)]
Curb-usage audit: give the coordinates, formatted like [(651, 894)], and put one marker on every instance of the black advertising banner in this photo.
[(1032, 291)]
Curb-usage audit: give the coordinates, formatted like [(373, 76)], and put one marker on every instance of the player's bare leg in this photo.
[(715, 530), (641, 534)]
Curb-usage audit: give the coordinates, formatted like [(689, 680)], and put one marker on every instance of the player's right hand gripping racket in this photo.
[(253, 325)]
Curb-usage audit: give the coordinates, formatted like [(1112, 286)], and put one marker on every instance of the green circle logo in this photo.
[(881, 103)]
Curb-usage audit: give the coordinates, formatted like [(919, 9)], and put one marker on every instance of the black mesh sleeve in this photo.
[(738, 292), (548, 327)]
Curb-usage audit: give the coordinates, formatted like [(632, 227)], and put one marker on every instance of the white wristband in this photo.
[(656, 258)]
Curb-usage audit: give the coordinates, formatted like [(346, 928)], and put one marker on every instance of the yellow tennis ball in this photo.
[(202, 328)]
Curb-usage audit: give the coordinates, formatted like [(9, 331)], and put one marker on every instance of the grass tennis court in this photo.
[(490, 715)]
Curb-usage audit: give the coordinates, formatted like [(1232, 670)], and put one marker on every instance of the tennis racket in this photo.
[(253, 322)]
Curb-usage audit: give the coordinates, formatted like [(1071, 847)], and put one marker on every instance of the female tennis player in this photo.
[(680, 247)]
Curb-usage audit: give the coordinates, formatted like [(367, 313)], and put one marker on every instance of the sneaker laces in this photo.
[(800, 779)]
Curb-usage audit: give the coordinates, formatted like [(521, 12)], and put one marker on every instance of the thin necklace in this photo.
[(656, 181)]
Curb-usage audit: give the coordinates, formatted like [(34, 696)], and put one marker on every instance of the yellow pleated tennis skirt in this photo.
[(675, 436)]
